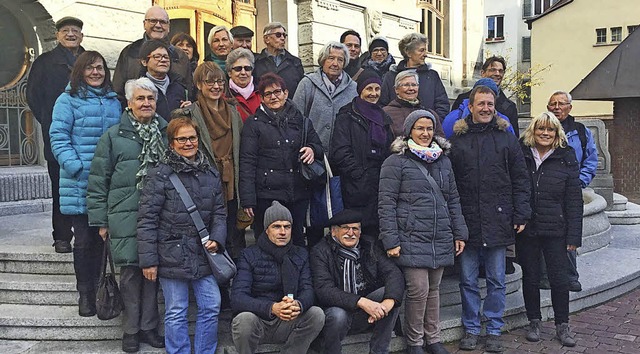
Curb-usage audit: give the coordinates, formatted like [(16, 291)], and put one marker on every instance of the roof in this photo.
[(617, 75), (553, 8)]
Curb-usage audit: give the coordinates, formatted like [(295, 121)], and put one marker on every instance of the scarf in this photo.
[(179, 163), (350, 266), (288, 271), (244, 92), (331, 85), (152, 146), (217, 119), (382, 67), (407, 103), (429, 154), (222, 63), (375, 116), (162, 84)]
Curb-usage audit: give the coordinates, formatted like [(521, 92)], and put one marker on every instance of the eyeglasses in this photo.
[(423, 129), (210, 83), (408, 85), (279, 34), (160, 57), (494, 70), (558, 104), (239, 68), (546, 129), (183, 139), (276, 92), (155, 21), (379, 50), (90, 68), (346, 228)]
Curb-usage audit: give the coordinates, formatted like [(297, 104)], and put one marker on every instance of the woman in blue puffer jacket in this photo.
[(81, 114)]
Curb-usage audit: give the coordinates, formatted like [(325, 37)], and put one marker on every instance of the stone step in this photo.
[(37, 259), (24, 183), (21, 207), (38, 289), (619, 202), (629, 216)]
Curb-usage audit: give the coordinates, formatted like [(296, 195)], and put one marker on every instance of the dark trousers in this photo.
[(573, 267), (87, 253), (339, 322), (298, 213), (555, 254), (235, 238), (61, 223), (140, 297)]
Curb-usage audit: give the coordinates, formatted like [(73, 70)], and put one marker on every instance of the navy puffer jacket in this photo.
[(411, 216), (556, 196), (167, 236)]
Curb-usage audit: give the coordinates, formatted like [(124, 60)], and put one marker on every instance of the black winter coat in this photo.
[(556, 196), (503, 105), (258, 283), (378, 271), (270, 157), (357, 161), (176, 93), (167, 236), (290, 70), (492, 181), (431, 92), (410, 214), (48, 78)]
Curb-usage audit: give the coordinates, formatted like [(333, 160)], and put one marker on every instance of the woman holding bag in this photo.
[(421, 223), (169, 246)]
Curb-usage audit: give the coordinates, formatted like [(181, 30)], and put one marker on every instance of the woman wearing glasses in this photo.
[(421, 223), (240, 63), (156, 65), (169, 246), (270, 157)]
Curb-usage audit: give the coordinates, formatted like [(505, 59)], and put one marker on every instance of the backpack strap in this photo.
[(582, 134)]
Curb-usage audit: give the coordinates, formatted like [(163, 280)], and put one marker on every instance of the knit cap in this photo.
[(367, 77), (378, 41), (485, 81), (413, 117), (276, 212)]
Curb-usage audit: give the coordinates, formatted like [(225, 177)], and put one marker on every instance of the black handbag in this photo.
[(221, 263), (108, 298), (315, 171)]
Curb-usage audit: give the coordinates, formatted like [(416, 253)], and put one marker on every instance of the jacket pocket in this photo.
[(171, 253)]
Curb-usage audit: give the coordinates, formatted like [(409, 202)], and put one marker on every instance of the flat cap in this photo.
[(347, 216), (241, 32), (69, 20)]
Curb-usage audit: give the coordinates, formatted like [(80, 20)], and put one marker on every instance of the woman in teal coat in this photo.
[(81, 114)]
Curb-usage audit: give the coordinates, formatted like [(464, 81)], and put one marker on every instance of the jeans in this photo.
[(298, 213), (140, 297), (61, 223), (422, 306), (557, 259), (339, 322), (87, 253), (176, 325), (494, 303), (249, 330)]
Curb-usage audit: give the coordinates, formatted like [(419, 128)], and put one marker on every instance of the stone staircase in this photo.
[(24, 189), (623, 212)]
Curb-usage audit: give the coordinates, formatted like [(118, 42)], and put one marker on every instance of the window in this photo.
[(526, 48), (601, 35), (616, 34), (433, 22), (536, 7), (495, 28), (630, 29)]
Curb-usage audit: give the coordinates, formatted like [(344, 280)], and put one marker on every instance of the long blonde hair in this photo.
[(546, 119)]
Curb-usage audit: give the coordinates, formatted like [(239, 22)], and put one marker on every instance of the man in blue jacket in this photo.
[(272, 293), (47, 80), (582, 142)]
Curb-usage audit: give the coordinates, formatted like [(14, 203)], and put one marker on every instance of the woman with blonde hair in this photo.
[(556, 223)]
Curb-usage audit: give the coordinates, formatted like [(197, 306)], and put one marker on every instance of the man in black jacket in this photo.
[(357, 286), (47, 80)]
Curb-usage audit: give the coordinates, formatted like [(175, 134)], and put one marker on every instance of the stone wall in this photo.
[(624, 131)]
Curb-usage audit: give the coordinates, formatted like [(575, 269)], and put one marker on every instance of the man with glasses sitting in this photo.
[(156, 26), (276, 59), (357, 286)]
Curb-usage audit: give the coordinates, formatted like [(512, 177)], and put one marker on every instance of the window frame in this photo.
[(433, 26), (618, 35), (498, 22), (526, 48), (601, 38)]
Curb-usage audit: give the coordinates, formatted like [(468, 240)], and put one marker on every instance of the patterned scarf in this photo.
[(152, 146), (429, 154), (350, 258)]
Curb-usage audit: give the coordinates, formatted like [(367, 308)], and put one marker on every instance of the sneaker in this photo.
[(564, 335), (469, 342), (436, 348), (494, 344), (575, 286), (62, 246), (130, 343), (533, 332)]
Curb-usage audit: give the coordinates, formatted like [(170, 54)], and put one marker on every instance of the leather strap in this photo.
[(191, 207)]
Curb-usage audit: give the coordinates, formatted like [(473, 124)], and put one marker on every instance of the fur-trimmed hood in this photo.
[(400, 145), (462, 126)]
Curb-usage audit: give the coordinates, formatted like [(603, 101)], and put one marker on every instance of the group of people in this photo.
[(237, 129)]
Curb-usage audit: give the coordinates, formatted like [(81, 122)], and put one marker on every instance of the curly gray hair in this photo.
[(410, 42), (326, 50)]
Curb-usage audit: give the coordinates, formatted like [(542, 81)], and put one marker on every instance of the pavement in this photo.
[(612, 327)]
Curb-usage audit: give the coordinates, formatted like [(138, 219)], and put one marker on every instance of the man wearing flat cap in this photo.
[(357, 286), (47, 80), (242, 37), (272, 295)]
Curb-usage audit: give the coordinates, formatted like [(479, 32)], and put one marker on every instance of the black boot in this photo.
[(130, 343), (152, 338), (87, 304)]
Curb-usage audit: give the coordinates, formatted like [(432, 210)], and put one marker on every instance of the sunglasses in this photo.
[(279, 34), (239, 68)]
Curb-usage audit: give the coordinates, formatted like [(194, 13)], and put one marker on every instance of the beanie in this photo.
[(367, 77), (276, 212), (413, 117), (378, 42), (485, 81)]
